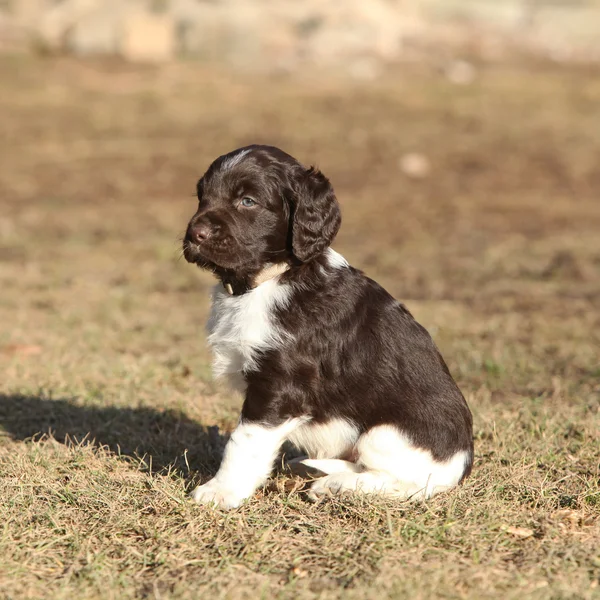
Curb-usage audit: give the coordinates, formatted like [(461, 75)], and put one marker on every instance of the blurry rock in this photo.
[(192, 20), (245, 28), (148, 37), (59, 19), (229, 32), (245, 34), (85, 26), (346, 31), (13, 33), (367, 69), (353, 34), (356, 36), (28, 12), (199, 27), (188, 11), (461, 72), (95, 33), (415, 165)]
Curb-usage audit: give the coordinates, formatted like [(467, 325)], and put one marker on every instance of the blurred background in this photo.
[(284, 35), (461, 137), (463, 140)]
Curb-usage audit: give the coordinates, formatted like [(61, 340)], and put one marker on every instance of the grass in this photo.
[(108, 413)]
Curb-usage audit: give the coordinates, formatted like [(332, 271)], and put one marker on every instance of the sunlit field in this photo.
[(109, 414)]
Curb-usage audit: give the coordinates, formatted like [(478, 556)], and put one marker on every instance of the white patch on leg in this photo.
[(367, 482), (390, 464), (325, 440), (386, 449), (242, 326), (247, 463)]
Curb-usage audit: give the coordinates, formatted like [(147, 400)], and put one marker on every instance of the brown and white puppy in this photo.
[(324, 356)]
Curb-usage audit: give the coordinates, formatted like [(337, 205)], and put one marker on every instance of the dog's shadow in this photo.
[(161, 438)]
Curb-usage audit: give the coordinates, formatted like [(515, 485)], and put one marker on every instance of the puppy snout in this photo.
[(200, 233)]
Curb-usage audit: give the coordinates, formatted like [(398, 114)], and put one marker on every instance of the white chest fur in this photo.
[(240, 327)]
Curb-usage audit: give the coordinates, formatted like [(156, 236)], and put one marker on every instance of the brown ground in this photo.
[(496, 252)]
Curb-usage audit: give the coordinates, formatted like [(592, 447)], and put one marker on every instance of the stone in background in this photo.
[(357, 36)]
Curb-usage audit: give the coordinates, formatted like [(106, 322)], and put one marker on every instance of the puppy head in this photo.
[(258, 205)]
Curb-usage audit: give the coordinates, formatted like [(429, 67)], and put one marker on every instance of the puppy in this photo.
[(324, 356)]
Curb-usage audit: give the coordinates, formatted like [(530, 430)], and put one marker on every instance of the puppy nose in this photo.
[(199, 233)]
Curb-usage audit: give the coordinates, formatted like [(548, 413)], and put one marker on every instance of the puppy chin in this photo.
[(193, 254), (207, 259)]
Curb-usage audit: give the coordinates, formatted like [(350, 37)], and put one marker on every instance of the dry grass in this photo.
[(497, 252)]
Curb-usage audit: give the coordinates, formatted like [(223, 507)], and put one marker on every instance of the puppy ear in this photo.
[(316, 215)]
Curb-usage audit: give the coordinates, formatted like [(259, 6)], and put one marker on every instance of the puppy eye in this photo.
[(247, 202)]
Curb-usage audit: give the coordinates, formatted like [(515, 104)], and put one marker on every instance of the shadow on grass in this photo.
[(160, 438)]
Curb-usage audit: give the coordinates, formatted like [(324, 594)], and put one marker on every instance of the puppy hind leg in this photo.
[(389, 464), (366, 482)]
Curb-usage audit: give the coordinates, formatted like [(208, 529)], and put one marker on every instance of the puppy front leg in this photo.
[(247, 462)]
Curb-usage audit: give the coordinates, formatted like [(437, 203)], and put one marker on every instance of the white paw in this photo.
[(212, 493), (331, 485), (367, 482)]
